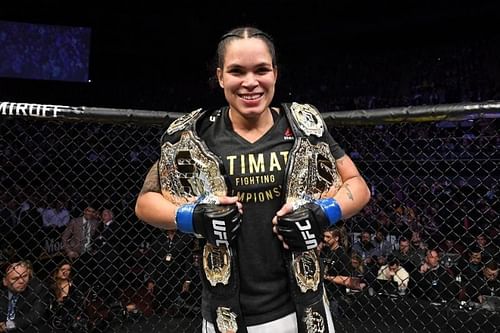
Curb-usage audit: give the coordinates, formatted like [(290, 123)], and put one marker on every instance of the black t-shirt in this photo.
[(337, 262), (478, 285), (256, 174)]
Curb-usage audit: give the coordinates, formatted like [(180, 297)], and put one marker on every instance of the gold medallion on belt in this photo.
[(188, 169), (226, 320), (311, 172)]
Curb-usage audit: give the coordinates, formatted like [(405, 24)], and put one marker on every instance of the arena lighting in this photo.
[(44, 52)]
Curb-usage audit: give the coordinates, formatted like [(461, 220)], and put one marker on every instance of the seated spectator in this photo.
[(372, 270), (23, 300), (358, 271), (393, 271), (364, 247), (383, 222), (56, 215), (452, 254), (484, 284), (451, 245), (418, 244), (383, 247), (488, 249), (407, 256), (20, 225), (473, 265), (140, 300), (432, 282), (67, 305)]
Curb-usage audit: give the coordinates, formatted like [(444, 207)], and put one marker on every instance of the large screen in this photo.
[(44, 52)]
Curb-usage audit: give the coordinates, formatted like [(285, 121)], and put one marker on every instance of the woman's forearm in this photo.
[(154, 209)]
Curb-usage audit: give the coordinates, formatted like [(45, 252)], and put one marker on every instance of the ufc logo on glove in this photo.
[(220, 232), (302, 228), (305, 230)]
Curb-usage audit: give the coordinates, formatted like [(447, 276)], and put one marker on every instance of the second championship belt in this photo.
[(189, 170), (311, 172)]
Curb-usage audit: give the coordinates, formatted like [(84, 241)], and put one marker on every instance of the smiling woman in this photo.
[(261, 224), (248, 75)]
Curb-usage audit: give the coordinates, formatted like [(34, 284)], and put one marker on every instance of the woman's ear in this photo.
[(219, 77)]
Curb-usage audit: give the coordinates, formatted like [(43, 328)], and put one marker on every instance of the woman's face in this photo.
[(64, 272), (248, 77)]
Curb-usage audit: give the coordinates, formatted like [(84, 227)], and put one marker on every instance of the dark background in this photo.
[(147, 57)]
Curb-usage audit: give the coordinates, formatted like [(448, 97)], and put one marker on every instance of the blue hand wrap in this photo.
[(331, 208), (184, 218)]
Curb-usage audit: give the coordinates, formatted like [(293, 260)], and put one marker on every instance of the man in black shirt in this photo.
[(484, 284), (337, 264), (432, 281)]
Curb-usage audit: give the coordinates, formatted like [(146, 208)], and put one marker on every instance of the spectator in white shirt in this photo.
[(56, 215), (395, 272)]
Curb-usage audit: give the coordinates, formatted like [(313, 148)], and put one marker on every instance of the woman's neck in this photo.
[(251, 129), (62, 289)]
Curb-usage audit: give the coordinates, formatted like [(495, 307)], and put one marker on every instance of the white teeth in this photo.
[(250, 97)]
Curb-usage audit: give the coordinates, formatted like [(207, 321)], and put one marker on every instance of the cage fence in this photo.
[(422, 256)]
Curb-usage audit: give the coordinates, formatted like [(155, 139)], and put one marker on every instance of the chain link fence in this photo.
[(421, 257)]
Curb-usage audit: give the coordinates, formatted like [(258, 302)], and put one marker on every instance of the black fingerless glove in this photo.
[(302, 229), (218, 224)]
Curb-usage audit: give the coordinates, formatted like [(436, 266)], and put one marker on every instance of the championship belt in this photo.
[(188, 169), (311, 172)]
